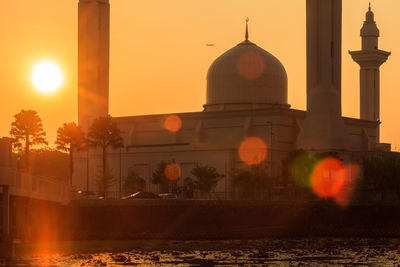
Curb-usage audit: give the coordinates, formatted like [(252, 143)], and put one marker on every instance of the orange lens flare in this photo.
[(251, 65), (328, 178), (253, 151), (172, 171), (173, 123)]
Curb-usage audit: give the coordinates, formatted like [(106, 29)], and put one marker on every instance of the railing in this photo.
[(98, 195), (34, 186), (276, 194), (273, 194)]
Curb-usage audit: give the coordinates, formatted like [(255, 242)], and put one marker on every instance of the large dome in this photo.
[(246, 77)]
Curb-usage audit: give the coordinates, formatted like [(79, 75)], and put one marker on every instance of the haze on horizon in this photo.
[(159, 56)]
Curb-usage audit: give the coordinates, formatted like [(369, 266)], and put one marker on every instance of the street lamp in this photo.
[(271, 133)]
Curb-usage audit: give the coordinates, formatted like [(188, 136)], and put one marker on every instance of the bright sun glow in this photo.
[(47, 76)]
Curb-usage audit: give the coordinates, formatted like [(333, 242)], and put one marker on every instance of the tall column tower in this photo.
[(370, 58), (93, 59), (323, 128)]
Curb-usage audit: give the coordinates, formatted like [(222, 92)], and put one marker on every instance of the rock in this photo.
[(100, 263), (155, 258), (119, 258)]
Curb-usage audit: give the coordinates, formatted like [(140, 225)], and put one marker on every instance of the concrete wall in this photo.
[(226, 220), (36, 220)]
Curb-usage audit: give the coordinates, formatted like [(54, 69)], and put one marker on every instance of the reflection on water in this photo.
[(272, 252)]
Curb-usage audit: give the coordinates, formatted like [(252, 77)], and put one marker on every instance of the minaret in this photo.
[(323, 128), (370, 58), (93, 59)]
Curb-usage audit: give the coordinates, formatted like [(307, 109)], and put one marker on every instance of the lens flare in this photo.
[(251, 65), (343, 198), (173, 123), (253, 151), (328, 178), (172, 171), (301, 169)]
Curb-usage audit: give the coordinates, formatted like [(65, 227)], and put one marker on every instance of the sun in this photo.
[(47, 76)]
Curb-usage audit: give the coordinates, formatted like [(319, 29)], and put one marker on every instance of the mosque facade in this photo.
[(246, 118)]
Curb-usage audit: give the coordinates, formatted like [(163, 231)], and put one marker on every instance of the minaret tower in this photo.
[(324, 128), (370, 58), (93, 59)]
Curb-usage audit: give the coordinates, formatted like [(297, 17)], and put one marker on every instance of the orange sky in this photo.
[(159, 57)]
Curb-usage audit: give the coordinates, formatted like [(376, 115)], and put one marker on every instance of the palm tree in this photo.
[(70, 137), (206, 178), (104, 133), (27, 131)]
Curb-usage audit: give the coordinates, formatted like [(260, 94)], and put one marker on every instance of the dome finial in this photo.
[(247, 29), (370, 14)]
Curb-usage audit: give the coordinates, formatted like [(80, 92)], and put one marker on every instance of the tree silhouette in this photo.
[(134, 183), (70, 138), (104, 133), (188, 188), (50, 163), (104, 181), (380, 175), (27, 131), (206, 177), (161, 178), (251, 181)]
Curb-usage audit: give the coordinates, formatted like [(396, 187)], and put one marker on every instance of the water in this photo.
[(271, 252)]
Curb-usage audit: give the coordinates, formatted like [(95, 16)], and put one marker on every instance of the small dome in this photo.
[(244, 77), (369, 28)]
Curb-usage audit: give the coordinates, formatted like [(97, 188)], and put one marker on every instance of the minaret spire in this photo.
[(247, 29), (370, 58)]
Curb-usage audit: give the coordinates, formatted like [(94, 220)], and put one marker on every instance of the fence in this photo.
[(34, 186), (276, 194), (273, 194)]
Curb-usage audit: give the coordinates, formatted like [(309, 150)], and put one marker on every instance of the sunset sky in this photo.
[(159, 57)]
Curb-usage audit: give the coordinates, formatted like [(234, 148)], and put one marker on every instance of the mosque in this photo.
[(246, 118)]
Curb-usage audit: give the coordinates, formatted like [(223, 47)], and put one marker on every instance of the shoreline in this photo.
[(118, 246)]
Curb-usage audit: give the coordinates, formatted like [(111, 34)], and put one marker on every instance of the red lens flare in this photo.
[(328, 178), (173, 123), (253, 151), (172, 171), (251, 65), (343, 198)]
